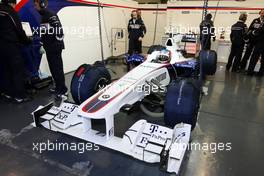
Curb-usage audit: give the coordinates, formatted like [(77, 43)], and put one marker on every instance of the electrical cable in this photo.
[(105, 29), (205, 12), (218, 3), (155, 27), (100, 30), (126, 18), (205, 9)]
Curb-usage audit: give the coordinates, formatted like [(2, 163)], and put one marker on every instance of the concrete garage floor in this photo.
[(231, 113)]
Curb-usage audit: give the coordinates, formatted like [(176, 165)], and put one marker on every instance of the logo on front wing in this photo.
[(106, 96), (154, 128)]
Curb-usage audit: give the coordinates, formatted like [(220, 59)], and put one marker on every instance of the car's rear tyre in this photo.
[(208, 61), (87, 80), (156, 48), (182, 102)]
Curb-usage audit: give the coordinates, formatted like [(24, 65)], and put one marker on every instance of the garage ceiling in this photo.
[(151, 1), (165, 1)]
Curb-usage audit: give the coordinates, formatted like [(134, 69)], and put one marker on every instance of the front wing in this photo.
[(144, 141)]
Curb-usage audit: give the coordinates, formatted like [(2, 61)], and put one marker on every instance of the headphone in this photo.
[(42, 3)]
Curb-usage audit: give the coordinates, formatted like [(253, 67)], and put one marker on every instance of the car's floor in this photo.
[(233, 112)]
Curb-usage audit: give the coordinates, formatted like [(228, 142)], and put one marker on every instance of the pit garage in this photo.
[(152, 87)]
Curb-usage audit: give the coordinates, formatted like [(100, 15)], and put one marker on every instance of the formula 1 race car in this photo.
[(165, 71)]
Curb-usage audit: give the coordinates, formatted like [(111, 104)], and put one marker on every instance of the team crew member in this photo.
[(136, 29), (12, 36), (140, 18), (251, 41), (206, 32), (258, 38), (144, 27), (237, 35), (52, 38)]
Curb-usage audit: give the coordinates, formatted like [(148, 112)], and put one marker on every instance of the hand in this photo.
[(249, 32), (30, 38), (214, 39), (42, 50), (140, 39)]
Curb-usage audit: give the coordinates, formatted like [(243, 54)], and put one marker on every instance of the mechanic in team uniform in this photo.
[(144, 27), (140, 18), (52, 38), (258, 39), (136, 30), (251, 42), (207, 32), (12, 37), (238, 32)]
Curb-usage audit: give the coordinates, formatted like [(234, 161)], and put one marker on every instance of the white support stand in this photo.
[(109, 127)]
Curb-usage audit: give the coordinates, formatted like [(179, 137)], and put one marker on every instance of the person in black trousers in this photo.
[(136, 29), (258, 52), (143, 27), (238, 31), (248, 53), (12, 37), (140, 18), (52, 35), (251, 42), (207, 32)]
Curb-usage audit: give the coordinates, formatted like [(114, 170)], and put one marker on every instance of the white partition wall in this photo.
[(154, 16), (81, 36), (187, 15), (81, 26)]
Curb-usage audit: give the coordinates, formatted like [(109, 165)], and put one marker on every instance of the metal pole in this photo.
[(100, 30), (205, 9), (156, 21)]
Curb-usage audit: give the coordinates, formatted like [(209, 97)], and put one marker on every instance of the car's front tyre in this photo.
[(182, 102)]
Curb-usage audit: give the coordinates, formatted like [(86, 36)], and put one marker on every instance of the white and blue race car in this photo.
[(165, 74)]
